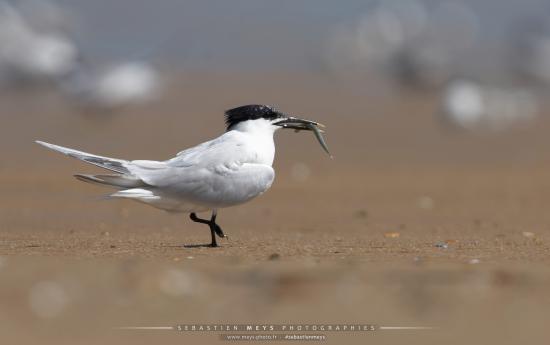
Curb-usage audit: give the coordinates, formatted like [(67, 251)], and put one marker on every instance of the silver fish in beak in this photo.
[(305, 125)]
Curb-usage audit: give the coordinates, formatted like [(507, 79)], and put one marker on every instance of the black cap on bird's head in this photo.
[(250, 112), (267, 112)]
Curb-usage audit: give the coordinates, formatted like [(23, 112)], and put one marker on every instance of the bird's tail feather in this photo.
[(113, 164), (121, 181), (140, 194)]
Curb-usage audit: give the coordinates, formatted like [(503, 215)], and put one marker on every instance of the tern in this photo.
[(229, 170)]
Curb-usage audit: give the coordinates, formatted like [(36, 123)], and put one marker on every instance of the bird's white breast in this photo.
[(257, 138)]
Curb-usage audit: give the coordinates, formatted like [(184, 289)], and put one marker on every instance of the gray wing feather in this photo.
[(121, 181), (113, 164)]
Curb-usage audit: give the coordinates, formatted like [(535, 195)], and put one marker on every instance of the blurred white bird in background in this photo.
[(29, 55), (112, 87), (469, 105), (35, 49)]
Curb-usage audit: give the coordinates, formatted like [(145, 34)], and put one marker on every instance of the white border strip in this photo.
[(146, 328), (382, 328), (404, 327)]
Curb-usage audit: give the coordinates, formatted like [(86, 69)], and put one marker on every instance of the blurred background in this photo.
[(434, 210), (449, 79)]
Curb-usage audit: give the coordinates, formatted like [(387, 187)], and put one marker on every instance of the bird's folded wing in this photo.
[(198, 168), (226, 149), (223, 139)]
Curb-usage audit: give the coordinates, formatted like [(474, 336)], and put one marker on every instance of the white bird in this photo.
[(226, 171), (470, 105), (114, 87), (33, 55)]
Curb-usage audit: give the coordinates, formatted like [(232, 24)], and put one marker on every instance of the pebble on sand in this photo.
[(528, 234), (392, 235), (274, 256)]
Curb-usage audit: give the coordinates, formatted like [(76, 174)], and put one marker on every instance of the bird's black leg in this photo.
[(196, 219), (214, 228), (213, 243)]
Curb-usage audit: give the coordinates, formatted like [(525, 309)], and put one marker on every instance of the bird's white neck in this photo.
[(259, 135)]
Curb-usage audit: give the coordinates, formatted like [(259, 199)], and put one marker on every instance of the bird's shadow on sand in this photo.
[(205, 245)]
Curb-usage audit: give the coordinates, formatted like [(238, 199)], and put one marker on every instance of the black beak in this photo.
[(297, 124)]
